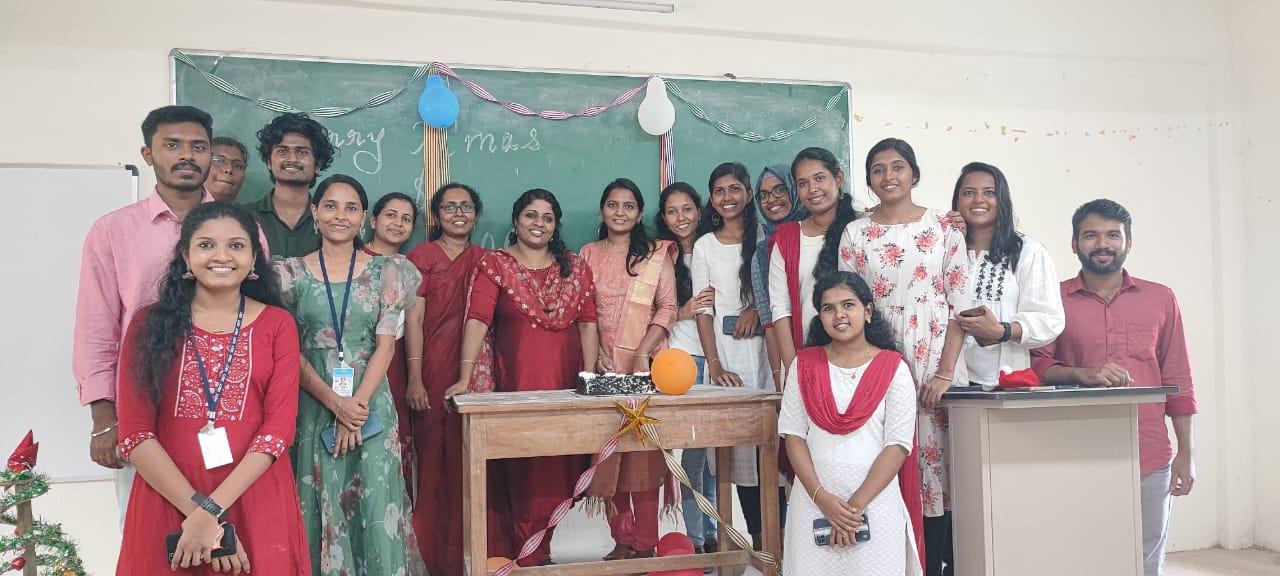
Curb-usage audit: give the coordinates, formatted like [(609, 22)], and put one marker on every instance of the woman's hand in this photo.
[(932, 391), (704, 300), (723, 377), (604, 364), (350, 412), (459, 387), (640, 364), (958, 221), (346, 441), (235, 563), (748, 322), (416, 395), (838, 512), (200, 534), (982, 325)]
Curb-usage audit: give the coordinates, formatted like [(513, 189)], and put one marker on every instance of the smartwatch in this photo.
[(1008, 331), (208, 505)]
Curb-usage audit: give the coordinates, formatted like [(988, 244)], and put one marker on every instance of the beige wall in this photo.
[(1139, 101)]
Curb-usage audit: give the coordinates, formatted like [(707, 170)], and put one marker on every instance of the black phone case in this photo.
[(228, 542), (731, 325)]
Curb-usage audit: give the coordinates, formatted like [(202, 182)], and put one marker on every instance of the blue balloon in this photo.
[(437, 106)]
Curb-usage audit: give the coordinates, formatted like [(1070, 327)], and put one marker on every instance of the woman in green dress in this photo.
[(354, 503)]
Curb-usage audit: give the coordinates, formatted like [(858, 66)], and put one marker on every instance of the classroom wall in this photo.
[(1136, 101)]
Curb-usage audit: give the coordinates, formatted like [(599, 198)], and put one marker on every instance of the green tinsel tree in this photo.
[(55, 553)]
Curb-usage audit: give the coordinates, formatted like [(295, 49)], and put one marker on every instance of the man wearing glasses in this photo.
[(226, 174)]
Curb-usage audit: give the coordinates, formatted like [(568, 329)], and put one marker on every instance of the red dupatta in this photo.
[(787, 239), (819, 402)]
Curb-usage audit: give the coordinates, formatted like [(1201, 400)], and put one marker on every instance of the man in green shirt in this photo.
[(296, 149)]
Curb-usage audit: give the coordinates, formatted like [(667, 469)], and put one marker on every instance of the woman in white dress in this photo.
[(914, 260), (731, 341), (1016, 298), (849, 420)]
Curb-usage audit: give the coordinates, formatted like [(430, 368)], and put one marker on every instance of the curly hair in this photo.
[(294, 123), (168, 320), (556, 246), (436, 230), (877, 331)]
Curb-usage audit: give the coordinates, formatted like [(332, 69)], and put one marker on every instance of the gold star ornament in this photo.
[(636, 419)]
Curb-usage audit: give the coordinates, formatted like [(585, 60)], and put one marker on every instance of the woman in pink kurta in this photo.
[(636, 306), (534, 302)]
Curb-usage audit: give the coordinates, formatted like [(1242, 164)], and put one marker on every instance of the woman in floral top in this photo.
[(915, 261), (354, 502)]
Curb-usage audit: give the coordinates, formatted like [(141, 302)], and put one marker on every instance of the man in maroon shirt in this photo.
[(1124, 331)]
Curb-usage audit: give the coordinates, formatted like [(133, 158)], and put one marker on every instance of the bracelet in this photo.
[(943, 378), (102, 431), (713, 361), (814, 496), (471, 362), (418, 358)]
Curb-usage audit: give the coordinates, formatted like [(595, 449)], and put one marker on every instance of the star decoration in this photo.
[(636, 419), (24, 456)]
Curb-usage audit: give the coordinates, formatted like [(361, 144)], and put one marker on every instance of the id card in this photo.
[(344, 380), (214, 447)]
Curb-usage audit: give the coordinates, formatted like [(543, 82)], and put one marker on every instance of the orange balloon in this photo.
[(673, 371), (495, 563)]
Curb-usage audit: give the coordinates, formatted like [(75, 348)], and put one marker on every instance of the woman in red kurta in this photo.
[(447, 262), (217, 289), (393, 217), (535, 300)]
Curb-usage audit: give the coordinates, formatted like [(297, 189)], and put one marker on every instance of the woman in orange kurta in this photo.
[(636, 306)]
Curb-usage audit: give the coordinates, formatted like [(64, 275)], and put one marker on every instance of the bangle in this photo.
[(943, 378), (471, 362), (814, 496), (418, 358), (713, 361), (102, 431)]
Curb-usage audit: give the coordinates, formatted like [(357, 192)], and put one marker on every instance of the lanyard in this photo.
[(339, 323), (212, 397)]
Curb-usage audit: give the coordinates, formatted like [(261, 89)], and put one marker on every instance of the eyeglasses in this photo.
[(777, 192), (236, 165), (454, 208)]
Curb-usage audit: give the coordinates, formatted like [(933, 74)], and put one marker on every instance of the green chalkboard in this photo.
[(500, 153)]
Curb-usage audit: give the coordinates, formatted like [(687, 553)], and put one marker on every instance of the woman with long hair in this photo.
[(390, 225), (728, 331), (347, 305), (679, 220), (778, 204), (913, 258), (635, 308), (802, 250), (534, 303), (1016, 297), (849, 420), (213, 363), (446, 261)]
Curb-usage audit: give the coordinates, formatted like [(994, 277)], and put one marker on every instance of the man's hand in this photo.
[(1183, 474), (1109, 375), (102, 448)]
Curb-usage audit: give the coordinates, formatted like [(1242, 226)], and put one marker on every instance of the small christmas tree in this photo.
[(39, 546)]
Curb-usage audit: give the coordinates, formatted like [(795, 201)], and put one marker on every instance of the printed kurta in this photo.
[(918, 273), (355, 507)]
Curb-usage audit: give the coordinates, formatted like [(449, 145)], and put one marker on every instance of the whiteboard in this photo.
[(53, 207)]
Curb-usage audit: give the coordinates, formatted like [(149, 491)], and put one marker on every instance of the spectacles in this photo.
[(219, 160), (777, 192), (454, 208)]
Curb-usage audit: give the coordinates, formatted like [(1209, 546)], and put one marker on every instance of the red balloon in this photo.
[(675, 544)]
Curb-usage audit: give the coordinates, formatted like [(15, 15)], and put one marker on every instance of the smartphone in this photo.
[(226, 548), (821, 532), (972, 312), (731, 325), (864, 531)]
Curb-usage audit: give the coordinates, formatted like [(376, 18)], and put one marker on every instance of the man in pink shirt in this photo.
[(125, 254), (1124, 331)]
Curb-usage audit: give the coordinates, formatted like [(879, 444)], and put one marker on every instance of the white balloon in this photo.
[(657, 114)]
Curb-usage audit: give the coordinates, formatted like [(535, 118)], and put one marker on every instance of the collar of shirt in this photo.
[(267, 205), (1076, 285), (156, 206)]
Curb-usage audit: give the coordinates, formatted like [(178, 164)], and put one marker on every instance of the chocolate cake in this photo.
[(610, 384)]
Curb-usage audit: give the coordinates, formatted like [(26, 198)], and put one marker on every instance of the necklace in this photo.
[(850, 373)]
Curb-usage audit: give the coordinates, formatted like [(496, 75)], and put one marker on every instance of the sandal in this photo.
[(620, 552)]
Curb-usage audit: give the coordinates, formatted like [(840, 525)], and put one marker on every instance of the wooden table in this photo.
[(560, 422), (1047, 482)]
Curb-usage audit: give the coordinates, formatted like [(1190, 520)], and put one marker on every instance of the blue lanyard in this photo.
[(338, 323), (211, 397)]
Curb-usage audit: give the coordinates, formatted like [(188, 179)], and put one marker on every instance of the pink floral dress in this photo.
[(917, 272)]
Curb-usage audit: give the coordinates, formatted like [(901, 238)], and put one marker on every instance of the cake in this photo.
[(610, 384)]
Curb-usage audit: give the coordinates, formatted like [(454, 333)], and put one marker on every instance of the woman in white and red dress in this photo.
[(214, 353), (849, 420)]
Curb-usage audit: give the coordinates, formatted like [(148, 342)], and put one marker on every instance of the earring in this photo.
[(868, 319), (188, 275), (253, 273), (716, 220), (315, 226)]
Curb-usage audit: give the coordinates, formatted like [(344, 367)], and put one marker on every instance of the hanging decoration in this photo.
[(656, 113), (749, 136), (666, 160), (437, 106), (40, 545)]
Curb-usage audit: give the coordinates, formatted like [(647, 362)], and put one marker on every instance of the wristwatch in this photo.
[(208, 505), (1008, 332)]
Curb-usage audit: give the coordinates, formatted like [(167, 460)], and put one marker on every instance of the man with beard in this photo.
[(296, 149), (1124, 331), (125, 254), (226, 175)]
